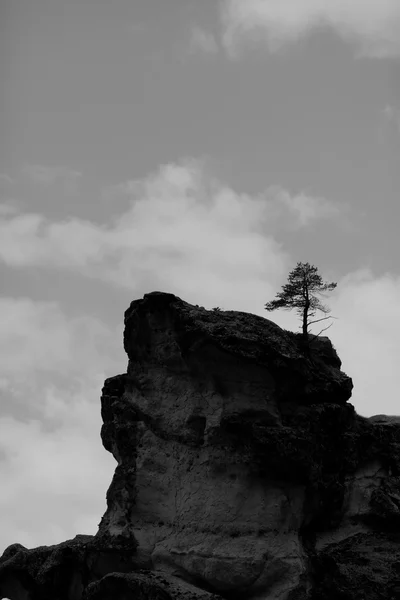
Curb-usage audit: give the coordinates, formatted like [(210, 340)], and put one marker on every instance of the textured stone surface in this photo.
[(83, 569), (145, 585), (242, 471)]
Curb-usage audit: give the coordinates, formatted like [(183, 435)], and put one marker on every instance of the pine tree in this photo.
[(304, 284)]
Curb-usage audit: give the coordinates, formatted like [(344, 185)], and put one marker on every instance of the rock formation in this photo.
[(243, 473)]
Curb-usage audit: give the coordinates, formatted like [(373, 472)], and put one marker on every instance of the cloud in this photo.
[(367, 333), (203, 41), (49, 175), (9, 207), (39, 337), (372, 25), (161, 237), (304, 209), (53, 479), (5, 179), (29, 239), (52, 370)]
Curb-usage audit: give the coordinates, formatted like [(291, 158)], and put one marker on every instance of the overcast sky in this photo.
[(199, 148)]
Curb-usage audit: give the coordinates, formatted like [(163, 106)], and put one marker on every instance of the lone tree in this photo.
[(304, 284)]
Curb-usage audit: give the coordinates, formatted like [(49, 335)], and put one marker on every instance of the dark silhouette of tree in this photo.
[(301, 291)]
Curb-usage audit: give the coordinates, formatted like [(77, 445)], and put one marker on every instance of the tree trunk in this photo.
[(306, 342), (305, 319)]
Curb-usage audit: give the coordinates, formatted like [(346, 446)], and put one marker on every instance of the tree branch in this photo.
[(323, 319), (315, 336)]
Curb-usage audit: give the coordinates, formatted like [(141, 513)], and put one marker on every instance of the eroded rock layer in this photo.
[(243, 472)]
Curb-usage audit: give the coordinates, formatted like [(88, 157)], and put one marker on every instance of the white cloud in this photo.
[(368, 338), (39, 337), (5, 179), (304, 209), (203, 41), (52, 370), (9, 207), (372, 25), (49, 175), (180, 221), (53, 480), (30, 239)]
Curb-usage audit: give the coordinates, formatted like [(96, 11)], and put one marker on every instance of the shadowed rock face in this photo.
[(243, 473)]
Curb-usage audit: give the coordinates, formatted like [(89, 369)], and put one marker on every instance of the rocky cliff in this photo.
[(242, 473)]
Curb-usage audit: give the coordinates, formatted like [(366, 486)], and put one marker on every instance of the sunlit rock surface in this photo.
[(243, 472)]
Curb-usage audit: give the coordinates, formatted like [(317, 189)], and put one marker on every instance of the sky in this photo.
[(198, 148)]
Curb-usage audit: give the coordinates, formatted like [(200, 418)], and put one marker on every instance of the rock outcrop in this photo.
[(243, 473)]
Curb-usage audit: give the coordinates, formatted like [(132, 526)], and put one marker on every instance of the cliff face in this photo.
[(242, 472)]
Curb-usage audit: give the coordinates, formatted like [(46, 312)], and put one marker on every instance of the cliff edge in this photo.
[(243, 472)]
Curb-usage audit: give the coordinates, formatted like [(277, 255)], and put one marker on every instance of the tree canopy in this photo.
[(301, 292)]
